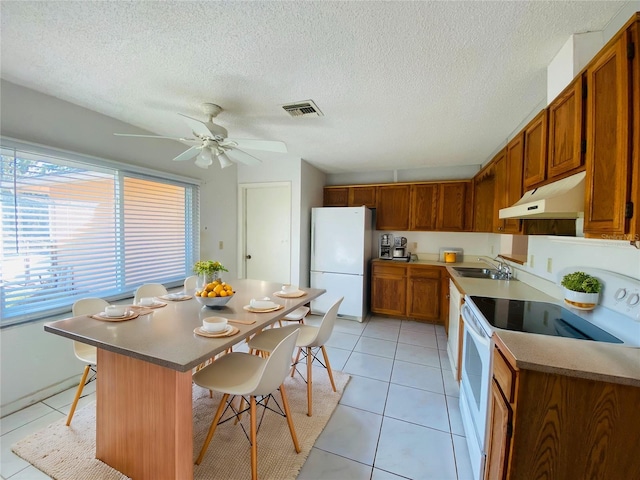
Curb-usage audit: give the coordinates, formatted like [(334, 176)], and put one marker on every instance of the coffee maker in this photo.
[(400, 248), (386, 246)]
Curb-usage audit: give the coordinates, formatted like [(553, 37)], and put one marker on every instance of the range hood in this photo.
[(561, 199)]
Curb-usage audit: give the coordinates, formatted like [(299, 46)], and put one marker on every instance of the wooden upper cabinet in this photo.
[(609, 151), (483, 195), (336, 197), (500, 191), (514, 168), (535, 151), (392, 212), (424, 206), (359, 196), (566, 130), (453, 206)]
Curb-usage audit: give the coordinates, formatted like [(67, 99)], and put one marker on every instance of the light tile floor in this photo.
[(398, 417)]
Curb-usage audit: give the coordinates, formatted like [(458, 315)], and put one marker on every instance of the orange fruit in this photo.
[(223, 293), (212, 294)]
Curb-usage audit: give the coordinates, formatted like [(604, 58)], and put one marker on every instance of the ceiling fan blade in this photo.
[(181, 139), (197, 126), (188, 154), (242, 156), (266, 145)]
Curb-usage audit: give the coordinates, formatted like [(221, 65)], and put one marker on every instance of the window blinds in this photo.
[(72, 230)]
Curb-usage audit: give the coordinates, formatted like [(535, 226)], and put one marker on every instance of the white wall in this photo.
[(218, 220), (311, 195)]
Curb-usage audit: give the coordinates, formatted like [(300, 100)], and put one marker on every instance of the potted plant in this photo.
[(581, 290), (208, 271)]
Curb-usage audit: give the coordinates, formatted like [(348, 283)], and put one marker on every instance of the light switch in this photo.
[(549, 265), (220, 244)]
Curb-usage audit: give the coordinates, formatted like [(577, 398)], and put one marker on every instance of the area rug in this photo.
[(67, 453)]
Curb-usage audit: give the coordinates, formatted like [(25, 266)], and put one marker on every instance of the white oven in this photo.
[(475, 382)]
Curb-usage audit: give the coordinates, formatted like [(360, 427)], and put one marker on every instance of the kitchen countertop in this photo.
[(563, 356)]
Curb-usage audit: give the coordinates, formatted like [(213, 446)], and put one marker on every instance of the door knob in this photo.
[(248, 257)]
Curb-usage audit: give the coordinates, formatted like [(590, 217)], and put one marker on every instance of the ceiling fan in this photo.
[(211, 142)]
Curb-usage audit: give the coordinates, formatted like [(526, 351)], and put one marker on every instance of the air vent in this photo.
[(305, 108)]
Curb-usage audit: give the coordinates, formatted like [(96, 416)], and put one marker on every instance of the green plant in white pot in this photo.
[(581, 290)]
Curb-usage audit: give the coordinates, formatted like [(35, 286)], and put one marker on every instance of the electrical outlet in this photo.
[(491, 250), (531, 261), (220, 244), (549, 265)]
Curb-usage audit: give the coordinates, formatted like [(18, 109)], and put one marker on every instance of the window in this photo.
[(73, 227)]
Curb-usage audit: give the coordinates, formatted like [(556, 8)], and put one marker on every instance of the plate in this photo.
[(155, 304), (294, 294), (249, 308), (176, 297), (231, 330), (103, 316)]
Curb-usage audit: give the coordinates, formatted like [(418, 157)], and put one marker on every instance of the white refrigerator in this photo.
[(340, 256)]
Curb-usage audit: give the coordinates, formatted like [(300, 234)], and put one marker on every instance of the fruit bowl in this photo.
[(214, 301)]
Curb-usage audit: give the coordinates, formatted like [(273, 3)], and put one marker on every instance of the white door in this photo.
[(267, 238)]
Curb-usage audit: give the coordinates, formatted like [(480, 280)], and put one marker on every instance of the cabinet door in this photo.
[(424, 206), (389, 289), (565, 130), (336, 197), (425, 292), (500, 198), (359, 196), (514, 163), (452, 206), (499, 436), (392, 211), (535, 151), (483, 184), (608, 149)]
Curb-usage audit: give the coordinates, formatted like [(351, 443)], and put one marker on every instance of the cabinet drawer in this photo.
[(389, 269), (424, 272), (504, 375)]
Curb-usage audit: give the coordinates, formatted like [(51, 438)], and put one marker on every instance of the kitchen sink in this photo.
[(479, 272)]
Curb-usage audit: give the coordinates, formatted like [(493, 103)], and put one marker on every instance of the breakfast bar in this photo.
[(143, 395)]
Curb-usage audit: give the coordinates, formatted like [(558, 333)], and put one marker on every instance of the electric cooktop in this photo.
[(539, 317)]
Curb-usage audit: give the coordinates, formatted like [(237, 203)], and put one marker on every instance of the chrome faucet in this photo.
[(504, 270)]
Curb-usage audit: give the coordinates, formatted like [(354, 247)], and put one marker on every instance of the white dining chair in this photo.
[(149, 290), (310, 338), (296, 316), (243, 374), (190, 283), (85, 353)]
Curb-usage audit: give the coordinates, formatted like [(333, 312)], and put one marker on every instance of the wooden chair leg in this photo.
[(254, 443), (213, 426), (326, 361), (287, 412), (78, 393), (309, 382)]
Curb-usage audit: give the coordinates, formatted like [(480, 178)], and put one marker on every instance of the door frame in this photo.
[(242, 221)]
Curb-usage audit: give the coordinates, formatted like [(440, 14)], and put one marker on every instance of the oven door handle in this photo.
[(479, 337)]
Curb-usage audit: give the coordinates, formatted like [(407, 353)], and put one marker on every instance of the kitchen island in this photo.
[(143, 394)]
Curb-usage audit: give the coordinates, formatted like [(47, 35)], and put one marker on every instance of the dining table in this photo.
[(144, 425)]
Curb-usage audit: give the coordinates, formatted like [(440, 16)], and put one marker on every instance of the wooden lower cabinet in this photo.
[(389, 289), (424, 292), (403, 290), (551, 426)]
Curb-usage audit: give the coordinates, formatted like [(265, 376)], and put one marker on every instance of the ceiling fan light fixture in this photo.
[(204, 159), (224, 160)]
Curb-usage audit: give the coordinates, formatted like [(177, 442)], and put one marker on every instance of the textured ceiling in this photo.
[(401, 84)]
